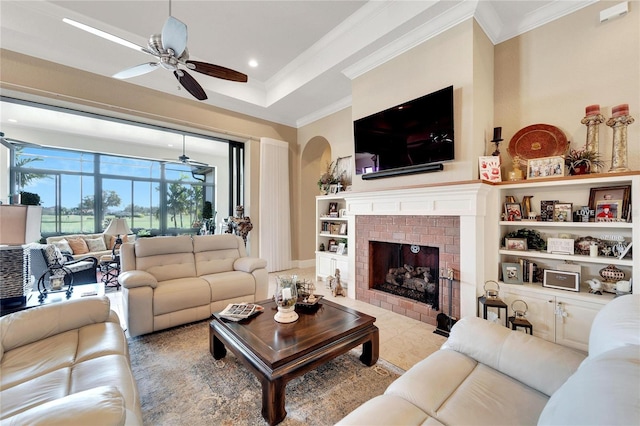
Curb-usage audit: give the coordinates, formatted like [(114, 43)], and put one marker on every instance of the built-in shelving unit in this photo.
[(332, 238)]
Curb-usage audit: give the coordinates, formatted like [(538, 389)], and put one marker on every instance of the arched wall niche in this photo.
[(315, 156)]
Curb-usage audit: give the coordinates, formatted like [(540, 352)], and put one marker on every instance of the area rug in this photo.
[(180, 383)]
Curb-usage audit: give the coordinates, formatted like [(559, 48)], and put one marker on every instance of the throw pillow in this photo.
[(96, 244), (53, 255), (113, 239), (63, 245), (78, 245)]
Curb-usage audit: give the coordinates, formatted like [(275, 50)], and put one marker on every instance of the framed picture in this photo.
[(340, 248), (333, 210), (490, 168), (562, 212), (515, 243), (607, 210), (563, 280), (343, 229), (512, 273), (621, 194), (560, 245), (545, 167), (343, 169), (334, 189), (512, 211), (334, 228)]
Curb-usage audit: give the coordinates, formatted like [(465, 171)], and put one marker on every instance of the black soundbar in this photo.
[(411, 170)]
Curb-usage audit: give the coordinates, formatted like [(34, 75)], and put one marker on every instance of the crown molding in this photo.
[(324, 112)]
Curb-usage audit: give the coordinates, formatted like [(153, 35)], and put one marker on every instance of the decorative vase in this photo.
[(611, 275), (592, 120), (581, 169), (286, 298), (516, 173), (619, 121)]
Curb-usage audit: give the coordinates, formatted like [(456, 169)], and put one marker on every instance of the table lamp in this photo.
[(117, 227)]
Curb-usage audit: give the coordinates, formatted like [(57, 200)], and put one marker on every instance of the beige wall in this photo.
[(549, 75)]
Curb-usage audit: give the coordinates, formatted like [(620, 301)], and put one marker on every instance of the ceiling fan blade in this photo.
[(190, 84), (107, 36), (217, 71), (136, 71), (174, 36)]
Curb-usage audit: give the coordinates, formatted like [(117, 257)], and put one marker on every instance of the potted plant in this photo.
[(581, 161), (329, 177)]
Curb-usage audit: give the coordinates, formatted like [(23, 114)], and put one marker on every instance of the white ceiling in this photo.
[(308, 51)]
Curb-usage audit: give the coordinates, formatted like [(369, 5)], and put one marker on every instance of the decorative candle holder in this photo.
[(592, 120), (619, 121), (286, 298)]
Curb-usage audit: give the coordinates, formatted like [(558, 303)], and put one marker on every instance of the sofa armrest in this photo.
[(102, 405), (540, 364), (132, 279), (28, 326), (249, 264)]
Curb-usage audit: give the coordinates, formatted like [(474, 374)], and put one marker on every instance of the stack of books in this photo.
[(240, 311)]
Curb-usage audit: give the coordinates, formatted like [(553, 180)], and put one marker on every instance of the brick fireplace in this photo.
[(438, 215), (441, 232)]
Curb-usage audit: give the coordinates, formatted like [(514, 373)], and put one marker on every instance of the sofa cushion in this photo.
[(228, 285), (63, 245), (100, 405), (96, 244), (78, 245), (604, 391), (385, 410), (183, 293), (214, 255), (617, 324), (53, 255)]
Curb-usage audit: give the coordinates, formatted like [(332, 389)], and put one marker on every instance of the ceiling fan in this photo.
[(185, 159), (170, 50)]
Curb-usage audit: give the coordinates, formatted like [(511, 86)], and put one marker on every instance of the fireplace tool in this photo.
[(445, 322)]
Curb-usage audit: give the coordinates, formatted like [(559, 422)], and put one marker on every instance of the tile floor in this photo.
[(403, 341)]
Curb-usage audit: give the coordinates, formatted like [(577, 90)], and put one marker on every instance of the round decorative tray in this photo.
[(538, 141)]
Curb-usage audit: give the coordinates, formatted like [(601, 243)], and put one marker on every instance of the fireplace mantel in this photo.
[(468, 201)]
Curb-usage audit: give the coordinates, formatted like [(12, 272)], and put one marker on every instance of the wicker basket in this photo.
[(13, 285)]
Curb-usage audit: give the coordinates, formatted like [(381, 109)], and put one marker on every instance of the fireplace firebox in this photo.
[(406, 270)]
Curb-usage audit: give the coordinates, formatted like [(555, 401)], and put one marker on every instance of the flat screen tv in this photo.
[(413, 137)]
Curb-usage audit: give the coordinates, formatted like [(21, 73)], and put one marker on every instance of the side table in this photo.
[(110, 269)]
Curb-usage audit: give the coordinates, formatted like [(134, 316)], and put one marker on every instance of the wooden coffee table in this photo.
[(277, 353)]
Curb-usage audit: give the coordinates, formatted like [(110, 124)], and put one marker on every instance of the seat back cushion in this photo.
[(604, 391), (616, 325), (166, 258), (78, 245), (216, 253)]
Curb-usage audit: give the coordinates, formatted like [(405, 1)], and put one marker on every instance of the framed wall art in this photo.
[(546, 167), (512, 211), (562, 212), (511, 273), (620, 195)]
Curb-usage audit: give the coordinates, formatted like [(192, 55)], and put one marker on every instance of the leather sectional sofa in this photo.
[(486, 374), (66, 363), (169, 281)]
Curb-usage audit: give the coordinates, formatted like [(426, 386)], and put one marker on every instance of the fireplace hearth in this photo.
[(405, 270)]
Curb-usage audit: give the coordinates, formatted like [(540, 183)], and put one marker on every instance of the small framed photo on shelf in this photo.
[(562, 212), (562, 280), (334, 228), (546, 167), (333, 210), (334, 189), (546, 210), (607, 210), (343, 229), (515, 243), (341, 248), (512, 211), (490, 168), (621, 195), (511, 273), (560, 245)]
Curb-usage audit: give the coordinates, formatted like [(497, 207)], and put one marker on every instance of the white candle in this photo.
[(286, 293), (593, 250)]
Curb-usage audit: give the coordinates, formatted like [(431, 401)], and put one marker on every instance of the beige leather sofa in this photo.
[(486, 374), (66, 363), (169, 281)]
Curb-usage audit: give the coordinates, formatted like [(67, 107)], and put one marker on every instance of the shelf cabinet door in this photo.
[(325, 266), (573, 322), (540, 311)]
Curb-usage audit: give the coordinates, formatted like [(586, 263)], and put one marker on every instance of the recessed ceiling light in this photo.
[(253, 63), (170, 144)]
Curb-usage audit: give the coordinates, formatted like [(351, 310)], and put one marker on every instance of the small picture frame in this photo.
[(612, 193), (333, 209), (511, 273), (562, 212), (341, 247), (546, 167), (489, 167), (334, 189), (607, 210), (560, 245), (334, 228), (546, 210), (512, 211), (562, 280), (343, 229), (515, 243)]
